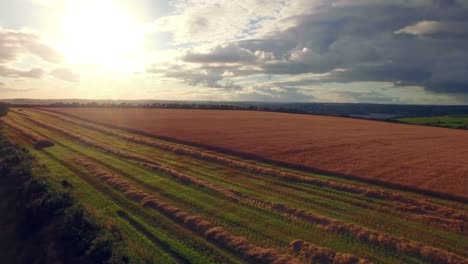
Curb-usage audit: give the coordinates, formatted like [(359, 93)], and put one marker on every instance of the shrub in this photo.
[(50, 223), (3, 109)]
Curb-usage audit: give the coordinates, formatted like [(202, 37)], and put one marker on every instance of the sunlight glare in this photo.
[(101, 33)]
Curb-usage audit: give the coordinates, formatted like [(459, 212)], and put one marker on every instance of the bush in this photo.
[(3, 109), (50, 223)]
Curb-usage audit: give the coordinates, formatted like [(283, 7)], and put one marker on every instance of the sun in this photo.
[(101, 33)]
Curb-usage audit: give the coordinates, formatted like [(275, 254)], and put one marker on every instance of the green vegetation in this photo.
[(184, 209), (440, 121), (3, 109), (42, 222)]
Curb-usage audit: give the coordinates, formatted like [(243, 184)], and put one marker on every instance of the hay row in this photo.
[(142, 161), (370, 236), (363, 234), (426, 208), (420, 213), (217, 234), (328, 224), (40, 142), (454, 225), (91, 142), (314, 254), (185, 178)]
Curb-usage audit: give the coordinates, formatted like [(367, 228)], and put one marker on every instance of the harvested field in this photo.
[(179, 203), (38, 141), (193, 222), (424, 158), (314, 254), (454, 219)]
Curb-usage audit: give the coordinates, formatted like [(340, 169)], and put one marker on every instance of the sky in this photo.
[(356, 51)]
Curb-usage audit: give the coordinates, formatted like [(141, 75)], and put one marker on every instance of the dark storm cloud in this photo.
[(408, 43)]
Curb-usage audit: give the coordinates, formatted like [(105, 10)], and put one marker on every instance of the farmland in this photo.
[(423, 158), (441, 121), (182, 203)]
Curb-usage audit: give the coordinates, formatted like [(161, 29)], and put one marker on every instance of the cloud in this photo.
[(5, 89), (274, 94), (47, 3), (368, 97), (65, 74), (16, 43), (420, 28), (209, 77), (436, 29), (17, 73), (222, 54), (404, 42), (195, 21)]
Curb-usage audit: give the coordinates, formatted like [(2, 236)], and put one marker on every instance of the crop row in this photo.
[(171, 238), (328, 224), (180, 176), (362, 234), (195, 223), (39, 141), (373, 237), (425, 209), (314, 254)]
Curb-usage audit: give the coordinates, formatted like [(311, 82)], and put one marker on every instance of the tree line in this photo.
[(196, 106)]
